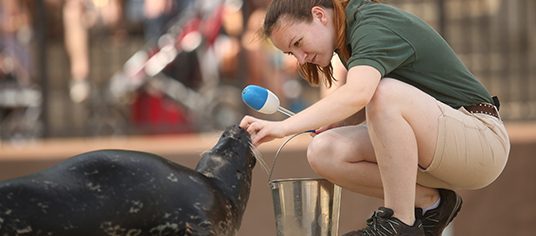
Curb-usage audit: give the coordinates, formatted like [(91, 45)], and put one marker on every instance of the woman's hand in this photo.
[(262, 131)]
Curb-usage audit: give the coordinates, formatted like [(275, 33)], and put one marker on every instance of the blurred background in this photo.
[(83, 68), (165, 76)]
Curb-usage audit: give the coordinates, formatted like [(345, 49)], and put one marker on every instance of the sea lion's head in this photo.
[(229, 164), (234, 147)]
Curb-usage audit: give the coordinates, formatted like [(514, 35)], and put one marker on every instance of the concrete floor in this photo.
[(506, 207)]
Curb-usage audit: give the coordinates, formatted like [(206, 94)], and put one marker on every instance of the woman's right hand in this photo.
[(262, 131)]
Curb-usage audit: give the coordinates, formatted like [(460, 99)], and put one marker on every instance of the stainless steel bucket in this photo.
[(306, 206)]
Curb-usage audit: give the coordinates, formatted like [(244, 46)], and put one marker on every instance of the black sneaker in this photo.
[(382, 223), (436, 220)]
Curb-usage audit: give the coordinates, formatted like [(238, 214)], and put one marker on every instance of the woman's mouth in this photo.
[(313, 59)]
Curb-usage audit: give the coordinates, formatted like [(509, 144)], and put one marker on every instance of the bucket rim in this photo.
[(298, 179)]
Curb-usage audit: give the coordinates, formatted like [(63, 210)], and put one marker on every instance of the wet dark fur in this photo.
[(118, 192)]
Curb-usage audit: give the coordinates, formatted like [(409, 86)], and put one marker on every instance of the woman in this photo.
[(431, 127)]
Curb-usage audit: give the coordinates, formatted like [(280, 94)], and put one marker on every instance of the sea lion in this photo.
[(121, 192)]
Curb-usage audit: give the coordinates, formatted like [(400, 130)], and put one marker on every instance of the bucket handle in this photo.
[(279, 150)]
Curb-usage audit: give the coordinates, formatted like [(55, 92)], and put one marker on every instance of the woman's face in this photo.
[(312, 42)]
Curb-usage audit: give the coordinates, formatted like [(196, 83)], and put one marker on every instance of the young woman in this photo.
[(431, 126)]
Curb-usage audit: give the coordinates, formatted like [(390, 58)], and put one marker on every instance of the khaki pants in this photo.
[(472, 151)]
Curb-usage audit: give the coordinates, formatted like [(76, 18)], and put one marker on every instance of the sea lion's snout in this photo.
[(236, 132), (234, 139)]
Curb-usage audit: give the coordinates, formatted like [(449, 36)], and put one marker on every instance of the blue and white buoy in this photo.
[(263, 100)]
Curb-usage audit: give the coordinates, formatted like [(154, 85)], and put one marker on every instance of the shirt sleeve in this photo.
[(380, 47)]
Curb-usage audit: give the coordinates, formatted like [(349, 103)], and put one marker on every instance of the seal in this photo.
[(122, 192)]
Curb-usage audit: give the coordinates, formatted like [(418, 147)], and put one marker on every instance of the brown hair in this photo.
[(301, 11)]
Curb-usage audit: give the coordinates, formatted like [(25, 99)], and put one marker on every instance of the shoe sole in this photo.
[(458, 207)]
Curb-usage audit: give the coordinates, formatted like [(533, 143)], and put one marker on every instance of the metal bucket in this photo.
[(306, 206)]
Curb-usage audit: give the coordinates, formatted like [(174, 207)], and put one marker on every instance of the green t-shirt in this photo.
[(404, 47)]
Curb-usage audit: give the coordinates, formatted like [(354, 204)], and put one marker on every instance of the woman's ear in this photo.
[(319, 13)]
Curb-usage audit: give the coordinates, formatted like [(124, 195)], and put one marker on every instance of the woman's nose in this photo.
[(301, 57)]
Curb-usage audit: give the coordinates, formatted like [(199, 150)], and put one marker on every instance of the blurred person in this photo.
[(78, 17), (19, 96), (227, 45), (159, 14), (431, 126), (15, 37)]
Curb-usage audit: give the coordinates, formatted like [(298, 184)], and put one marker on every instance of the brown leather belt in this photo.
[(483, 108)]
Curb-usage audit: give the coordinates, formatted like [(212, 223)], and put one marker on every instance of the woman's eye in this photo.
[(297, 43)]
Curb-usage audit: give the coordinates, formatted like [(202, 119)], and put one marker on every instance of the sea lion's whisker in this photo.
[(257, 154)]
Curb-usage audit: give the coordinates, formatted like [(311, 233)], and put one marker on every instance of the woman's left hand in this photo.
[(262, 131)]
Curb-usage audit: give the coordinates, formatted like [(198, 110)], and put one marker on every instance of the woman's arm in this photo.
[(340, 72), (341, 104), (345, 101)]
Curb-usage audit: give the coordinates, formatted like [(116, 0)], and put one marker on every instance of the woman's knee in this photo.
[(333, 148), (321, 151)]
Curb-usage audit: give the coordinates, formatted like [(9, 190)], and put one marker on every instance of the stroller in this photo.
[(210, 104)]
